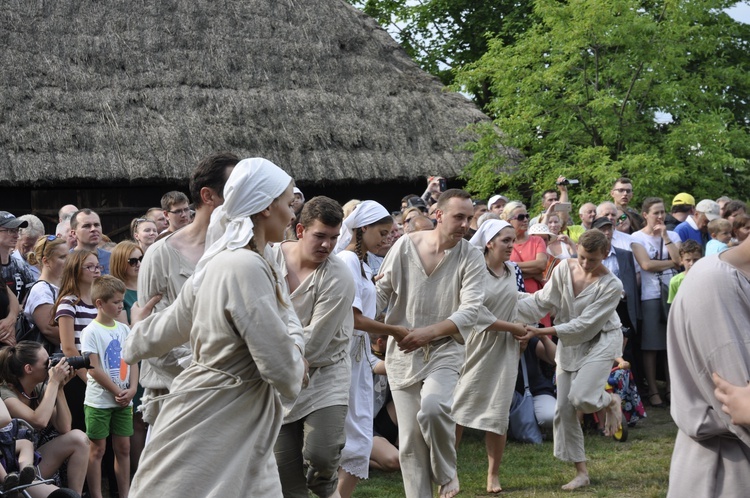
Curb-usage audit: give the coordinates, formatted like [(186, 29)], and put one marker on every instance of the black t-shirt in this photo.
[(18, 277), (4, 304)]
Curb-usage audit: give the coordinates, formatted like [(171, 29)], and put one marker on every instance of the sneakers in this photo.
[(15, 479)]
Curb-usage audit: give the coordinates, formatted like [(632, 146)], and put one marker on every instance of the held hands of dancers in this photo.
[(417, 338)]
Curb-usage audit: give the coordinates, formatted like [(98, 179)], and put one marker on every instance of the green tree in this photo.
[(653, 90), (441, 35)]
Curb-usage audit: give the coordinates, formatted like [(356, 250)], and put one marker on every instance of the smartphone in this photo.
[(562, 206), (443, 185)]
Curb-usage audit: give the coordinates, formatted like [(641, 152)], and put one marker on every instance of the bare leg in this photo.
[(94, 473), (613, 415), (495, 447), (450, 489), (384, 456), (25, 449), (137, 441), (580, 480), (121, 448), (72, 446), (459, 434), (347, 483), (649, 369)]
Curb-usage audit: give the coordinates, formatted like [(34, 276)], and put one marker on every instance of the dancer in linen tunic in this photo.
[(590, 335), (708, 332), (484, 392)]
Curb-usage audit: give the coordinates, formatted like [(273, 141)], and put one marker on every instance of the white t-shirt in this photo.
[(42, 293), (107, 343), (653, 244), (365, 297)]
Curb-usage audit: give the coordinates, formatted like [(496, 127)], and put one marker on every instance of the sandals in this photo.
[(661, 404)]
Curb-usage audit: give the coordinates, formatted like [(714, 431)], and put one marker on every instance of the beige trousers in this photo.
[(426, 432), (582, 390)]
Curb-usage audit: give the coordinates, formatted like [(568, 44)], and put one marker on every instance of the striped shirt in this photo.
[(81, 313)]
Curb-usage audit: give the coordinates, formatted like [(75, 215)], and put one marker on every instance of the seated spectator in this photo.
[(721, 234), (539, 349), (49, 255), (144, 232), (17, 455), (384, 454), (24, 368)]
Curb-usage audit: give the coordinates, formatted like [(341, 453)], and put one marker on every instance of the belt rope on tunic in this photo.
[(361, 349), (237, 382)]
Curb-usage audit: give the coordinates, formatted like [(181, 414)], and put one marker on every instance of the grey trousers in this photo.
[(308, 452), (582, 390), (426, 432)]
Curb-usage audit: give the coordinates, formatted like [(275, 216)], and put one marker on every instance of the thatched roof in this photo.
[(120, 91)]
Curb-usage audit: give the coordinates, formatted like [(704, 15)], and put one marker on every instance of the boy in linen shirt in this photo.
[(111, 385)]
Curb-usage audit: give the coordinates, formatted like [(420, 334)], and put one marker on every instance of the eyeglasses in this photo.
[(180, 212), (94, 268), (135, 261), (623, 190), (48, 239), (13, 231), (521, 217)]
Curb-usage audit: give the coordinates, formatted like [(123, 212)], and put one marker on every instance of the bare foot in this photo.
[(449, 490), (613, 416), (493, 484), (578, 481)]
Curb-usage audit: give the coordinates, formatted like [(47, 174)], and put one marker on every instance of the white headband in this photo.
[(364, 214), (251, 188), (487, 231)]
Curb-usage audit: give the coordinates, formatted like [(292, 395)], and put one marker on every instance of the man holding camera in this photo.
[(550, 197), (436, 185)]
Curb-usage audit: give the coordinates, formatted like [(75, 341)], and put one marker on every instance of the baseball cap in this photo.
[(709, 208), (417, 202), (683, 199), (496, 198), (7, 220), (602, 221)]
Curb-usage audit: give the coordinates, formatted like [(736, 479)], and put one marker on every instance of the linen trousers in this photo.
[(308, 452), (426, 432), (582, 390)]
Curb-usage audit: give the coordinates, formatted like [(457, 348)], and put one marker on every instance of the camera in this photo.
[(77, 362), (567, 182), (442, 185)]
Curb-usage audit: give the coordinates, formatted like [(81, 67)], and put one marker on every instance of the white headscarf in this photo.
[(251, 188), (364, 214), (487, 231)]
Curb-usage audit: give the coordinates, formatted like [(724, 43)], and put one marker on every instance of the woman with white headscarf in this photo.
[(215, 434), (484, 392), (366, 229)]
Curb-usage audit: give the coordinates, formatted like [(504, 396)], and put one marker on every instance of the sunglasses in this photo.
[(521, 217), (135, 261), (621, 219), (48, 238)]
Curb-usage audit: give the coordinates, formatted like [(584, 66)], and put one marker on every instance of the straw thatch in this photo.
[(112, 91)]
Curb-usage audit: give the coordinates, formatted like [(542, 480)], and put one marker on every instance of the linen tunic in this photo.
[(587, 326), (323, 304), (454, 291), (708, 332), (163, 271), (215, 434), (484, 392)]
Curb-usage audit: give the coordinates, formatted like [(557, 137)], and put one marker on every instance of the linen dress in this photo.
[(708, 332), (484, 392), (355, 457), (215, 434)]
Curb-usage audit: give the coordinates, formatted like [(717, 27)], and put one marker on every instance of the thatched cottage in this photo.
[(108, 104)]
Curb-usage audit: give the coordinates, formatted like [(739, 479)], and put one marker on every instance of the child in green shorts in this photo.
[(690, 252), (111, 385)]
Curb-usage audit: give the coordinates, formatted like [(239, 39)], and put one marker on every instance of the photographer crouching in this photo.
[(32, 389)]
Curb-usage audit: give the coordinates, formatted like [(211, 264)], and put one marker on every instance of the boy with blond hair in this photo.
[(690, 252), (721, 233), (111, 385)]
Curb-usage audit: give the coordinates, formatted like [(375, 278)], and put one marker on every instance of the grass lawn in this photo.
[(637, 468)]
